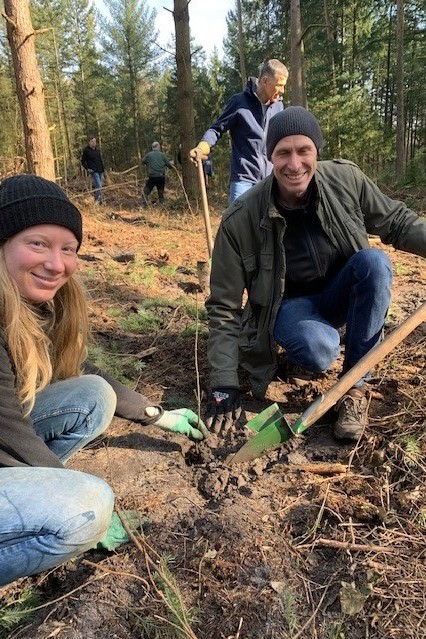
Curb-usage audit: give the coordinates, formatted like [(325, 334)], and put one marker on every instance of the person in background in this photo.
[(156, 162), (246, 117), (297, 242), (91, 160), (208, 169), (49, 409)]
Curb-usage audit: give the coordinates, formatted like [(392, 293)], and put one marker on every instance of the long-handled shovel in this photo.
[(205, 207), (271, 425)]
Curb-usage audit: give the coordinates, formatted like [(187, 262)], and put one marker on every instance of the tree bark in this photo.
[(135, 105), (298, 93), (185, 93), (30, 90), (241, 45), (400, 122)]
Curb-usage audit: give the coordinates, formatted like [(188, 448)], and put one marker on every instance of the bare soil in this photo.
[(313, 540)]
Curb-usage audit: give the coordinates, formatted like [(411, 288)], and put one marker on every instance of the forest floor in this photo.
[(314, 540)]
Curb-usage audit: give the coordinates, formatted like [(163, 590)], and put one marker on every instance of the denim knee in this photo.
[(93, 504), (49, 515), (316, 355), (70, 413), (376, 263), (103, 398)]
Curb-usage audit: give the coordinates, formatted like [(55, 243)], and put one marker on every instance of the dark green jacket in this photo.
[(156, 161), (248, 256)]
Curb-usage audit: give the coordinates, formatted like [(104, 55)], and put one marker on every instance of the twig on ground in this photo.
[(197, 371), (319, 468), (114, 572), (145, 548), (314, 614), (184, 191)]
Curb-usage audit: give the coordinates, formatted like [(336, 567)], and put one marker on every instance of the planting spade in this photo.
[(273, 429)]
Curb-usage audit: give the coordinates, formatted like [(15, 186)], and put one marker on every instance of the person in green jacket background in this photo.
[(156, 162), (297, 243)]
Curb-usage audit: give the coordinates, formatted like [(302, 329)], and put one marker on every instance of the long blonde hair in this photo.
[(46, 343)]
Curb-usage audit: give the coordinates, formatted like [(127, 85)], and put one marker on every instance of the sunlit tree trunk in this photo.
[(241, 45), (330, 41), (388, 94), (298, 94), (400, 123), (20, 33), (185, 92), (135, 106)]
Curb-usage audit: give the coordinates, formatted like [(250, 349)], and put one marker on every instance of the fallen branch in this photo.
[(132, 168), (146, 352), (321, 468)]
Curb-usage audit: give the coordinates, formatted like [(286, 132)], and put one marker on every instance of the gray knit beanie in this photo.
[(294, 120), (29, 200)]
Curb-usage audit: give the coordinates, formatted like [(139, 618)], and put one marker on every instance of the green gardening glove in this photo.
[(116, 535), (181, 420)]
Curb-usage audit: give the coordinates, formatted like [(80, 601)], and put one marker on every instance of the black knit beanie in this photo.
[(294, 120), (29, 200)]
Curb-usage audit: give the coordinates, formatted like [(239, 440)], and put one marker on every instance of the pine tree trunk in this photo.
[(298, 93), (241, 46), (400, 120), (185, 93), (30, 90)]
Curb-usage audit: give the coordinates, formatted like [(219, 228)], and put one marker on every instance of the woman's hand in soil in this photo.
[(224, 408), (181, 420)]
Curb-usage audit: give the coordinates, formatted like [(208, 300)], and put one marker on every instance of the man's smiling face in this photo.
[(295, 162)]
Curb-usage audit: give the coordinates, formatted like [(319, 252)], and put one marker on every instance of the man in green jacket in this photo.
[(297, 243), (156, 162)]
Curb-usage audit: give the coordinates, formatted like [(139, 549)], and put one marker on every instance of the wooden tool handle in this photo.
[(362, 367), (205, 207)]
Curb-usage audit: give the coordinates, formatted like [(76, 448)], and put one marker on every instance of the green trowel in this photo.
[(272, 427)]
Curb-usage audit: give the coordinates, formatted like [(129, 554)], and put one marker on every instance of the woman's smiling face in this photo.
[(40, 260)]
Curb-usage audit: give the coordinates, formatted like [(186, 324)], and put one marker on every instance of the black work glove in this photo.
[(224, 407)]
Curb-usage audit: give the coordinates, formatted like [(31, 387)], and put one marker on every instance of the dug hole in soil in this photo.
[(312, 540)]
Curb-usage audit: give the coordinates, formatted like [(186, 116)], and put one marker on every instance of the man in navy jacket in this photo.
[(246, 117), (91, 160)]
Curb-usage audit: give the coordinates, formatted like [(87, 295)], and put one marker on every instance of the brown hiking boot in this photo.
[(352, 415)]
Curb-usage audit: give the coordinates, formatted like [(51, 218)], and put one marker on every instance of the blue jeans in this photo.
[(49, 515), (237, 188), (358, 297), (97, 181)]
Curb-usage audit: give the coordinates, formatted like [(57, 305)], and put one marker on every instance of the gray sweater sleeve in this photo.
[(130, 404)]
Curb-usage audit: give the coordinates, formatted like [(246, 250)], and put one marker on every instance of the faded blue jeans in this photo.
[(97, 181), (358, 297), (48, 515), (238, 187)]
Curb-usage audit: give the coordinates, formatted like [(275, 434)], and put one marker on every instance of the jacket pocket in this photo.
[(248, 329), (259, 272)]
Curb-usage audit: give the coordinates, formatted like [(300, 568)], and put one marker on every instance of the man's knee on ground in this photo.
[(315, 356)]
